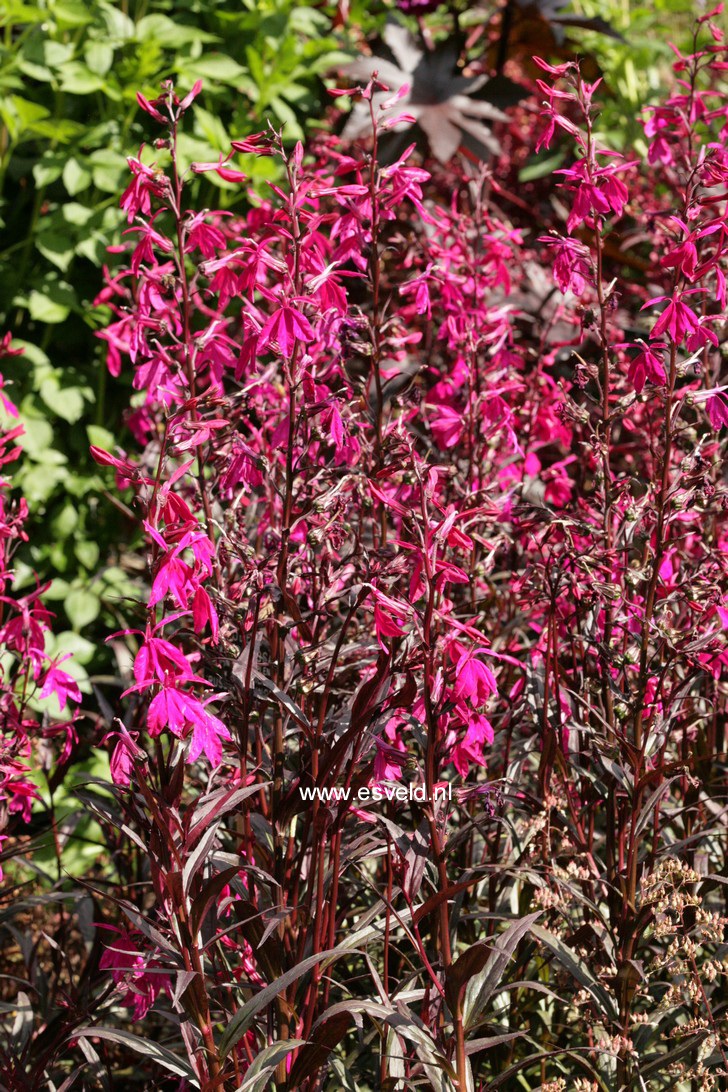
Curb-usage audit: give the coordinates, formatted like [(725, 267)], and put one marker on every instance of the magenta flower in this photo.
[(123, 755), (659, 126), (447, 425), (184, 714), (204, 613), (717, 407), (146, 182), (283, 328), (470, 747), (683, 258), (390, 754), (647, 365), (159, 659), (389, 616), (474, 682), (138, 976), (60, 683), (229, 174), (418, 7), (203, 236), (572, 263), (677, 319)]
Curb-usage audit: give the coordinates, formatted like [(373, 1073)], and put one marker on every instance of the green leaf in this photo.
[(56, 248), (35, 71), (541, 167), (82, 607), (75, 213), (212, 129), (108, 170), (160, 28), (27, 113), (66, 522), (65, 402), (38, 434), (39, 482), (57, 590), (56, 53), (78, 79), (119, 26), (81, 649), (52, 303), (87, 553), (99, 57), (31, 352), (100, 437), (71, 13), (76, 177), (216, 67)]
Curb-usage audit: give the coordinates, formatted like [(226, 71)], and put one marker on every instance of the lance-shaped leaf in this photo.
[(482, 983), (576, 967), (264, 1065), (155, 1051), (244, 1017)]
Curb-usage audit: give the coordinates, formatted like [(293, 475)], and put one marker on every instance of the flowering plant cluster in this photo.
[(428, 492), (29, 732)]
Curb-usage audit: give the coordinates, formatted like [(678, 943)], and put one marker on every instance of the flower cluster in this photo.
[(409, 511), (28, 675)]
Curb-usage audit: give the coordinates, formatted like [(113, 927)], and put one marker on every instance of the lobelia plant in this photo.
[(28, 674), (401, 528), (306, 551), (40, 712)]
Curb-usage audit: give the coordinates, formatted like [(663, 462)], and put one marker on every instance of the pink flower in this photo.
[(389, 616), (677, 318), (144, 250), (659, 126), (203, 611), (15, 791), (182, 714), (125, 751), (717, 407), (203, 236), (419, 286), (683, 258), (470, 747), (283, 328), (572, 263), (150, 109), (390, 757), (229, 174), (446, 424), (597, 190), (145, 183), (135, 973), (647, 365), (60, 683), (159, 659), (474, 681)]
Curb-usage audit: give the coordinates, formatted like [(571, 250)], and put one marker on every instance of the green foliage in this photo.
[(69, 73), (636, 69)]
